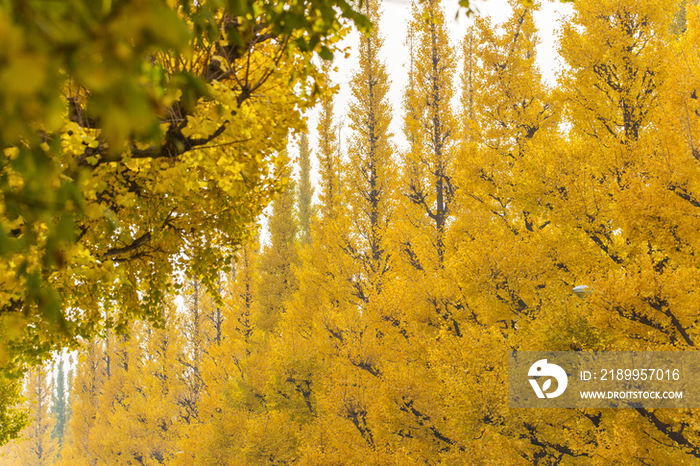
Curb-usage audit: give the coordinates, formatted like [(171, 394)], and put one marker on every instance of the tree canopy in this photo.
[(140, 140)]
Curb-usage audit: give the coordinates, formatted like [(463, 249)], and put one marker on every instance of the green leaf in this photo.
[(326, 53)]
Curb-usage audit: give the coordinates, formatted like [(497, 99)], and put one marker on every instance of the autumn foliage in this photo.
[(372, 327)]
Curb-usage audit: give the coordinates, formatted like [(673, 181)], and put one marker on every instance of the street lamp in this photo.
[(582, 291)]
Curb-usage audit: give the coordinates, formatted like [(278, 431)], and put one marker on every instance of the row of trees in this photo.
[(374, 327), (124, 127), (47, 405)]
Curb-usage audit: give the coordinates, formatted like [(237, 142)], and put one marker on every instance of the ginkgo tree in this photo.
[(378, 332), (138, 138), (634, 119)]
